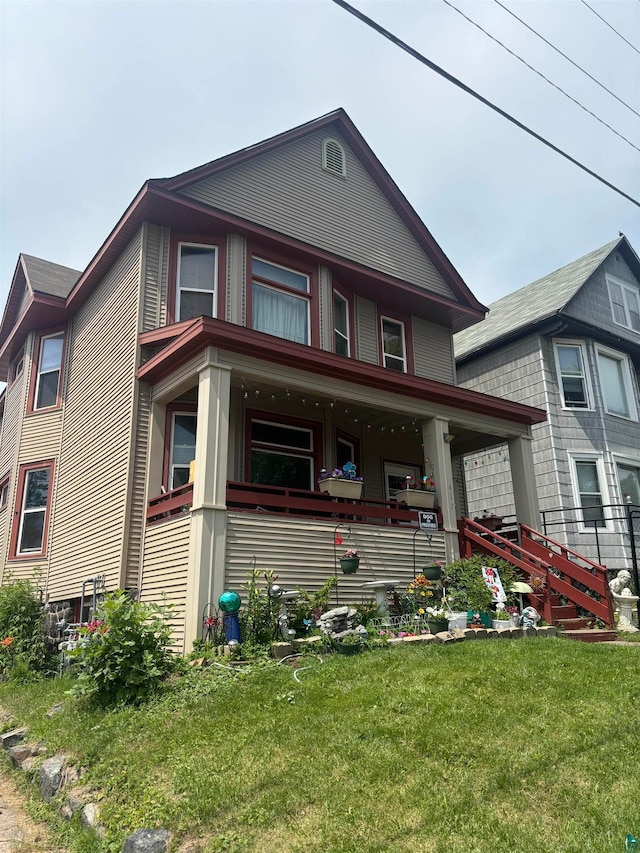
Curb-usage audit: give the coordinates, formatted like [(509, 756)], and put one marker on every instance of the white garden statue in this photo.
[(624, 600)]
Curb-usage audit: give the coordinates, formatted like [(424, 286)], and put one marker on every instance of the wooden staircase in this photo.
[(572, 582)]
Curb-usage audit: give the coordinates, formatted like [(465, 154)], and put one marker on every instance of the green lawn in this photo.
[(527, 745)]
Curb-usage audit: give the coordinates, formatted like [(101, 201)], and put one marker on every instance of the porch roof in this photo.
[(206, 331)]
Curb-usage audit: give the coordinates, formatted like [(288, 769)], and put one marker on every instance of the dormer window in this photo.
[(333, 157), (625, 304)]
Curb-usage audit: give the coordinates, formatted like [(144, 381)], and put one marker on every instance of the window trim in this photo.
[(596, 458), (586, 376), (258, 251), (34, 381), (18, 513), (626, 288), (337, 291), (13, 372), (206, 242), (407, 341), (4, 491), (627, 381), (315, 427), (173, 409), (627, 462)]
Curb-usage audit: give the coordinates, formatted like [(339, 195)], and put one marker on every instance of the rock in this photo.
[(301, 642), (19, 753), (29, 763), (481, 633), (71, 776), (147, 841), (427, 638), (90, 816), (75, 803), (459, 634), (395, 641), (281, 650), (55, 709), (527, 632), (547, 631), (469, 633), (492, 634), (66, 812), (50, 777), (9, 739), (444, 637)]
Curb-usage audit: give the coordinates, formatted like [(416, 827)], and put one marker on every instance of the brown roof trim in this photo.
[(383, 179), (165, 333), (42, 311), (206, 331)]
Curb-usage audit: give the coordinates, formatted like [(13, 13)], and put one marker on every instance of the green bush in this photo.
[(124, 652), (23, 653), (465, 586)]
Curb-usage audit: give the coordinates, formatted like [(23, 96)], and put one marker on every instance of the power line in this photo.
[(568, 58), (404, 46), (540, 74), (604, 21)]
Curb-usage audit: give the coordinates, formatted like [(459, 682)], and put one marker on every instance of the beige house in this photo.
[(275, 312)]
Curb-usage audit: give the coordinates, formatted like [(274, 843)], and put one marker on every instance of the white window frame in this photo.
[(628, 291), (586, 373), (172, 464), (180, 289), (4, 492), (604, 493), (336, 331), (20, 552), (41, 372), (627, 462), (386, 355), (303, 295), (627, 381)]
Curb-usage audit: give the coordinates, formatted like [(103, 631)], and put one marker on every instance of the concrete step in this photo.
[(590, 635)]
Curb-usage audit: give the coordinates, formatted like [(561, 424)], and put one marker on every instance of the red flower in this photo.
[(338, 540)]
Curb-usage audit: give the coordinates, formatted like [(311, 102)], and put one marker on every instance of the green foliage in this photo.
[(259, 616), (123, 653), (309, 606), (23, 653), (466, 589)]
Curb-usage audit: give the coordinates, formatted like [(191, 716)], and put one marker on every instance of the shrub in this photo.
[(124, 652), (23, 654), (466, 589)]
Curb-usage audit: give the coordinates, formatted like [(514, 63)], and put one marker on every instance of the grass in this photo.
[(525, 745)]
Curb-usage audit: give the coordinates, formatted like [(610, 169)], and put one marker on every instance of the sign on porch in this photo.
[(428, 520), (492, 580)]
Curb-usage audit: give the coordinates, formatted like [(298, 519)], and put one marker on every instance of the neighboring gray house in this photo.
[(567, 343)]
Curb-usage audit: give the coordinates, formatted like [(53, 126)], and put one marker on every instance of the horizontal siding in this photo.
[(40, 436), (93, 479), (288, 191), (433, 351), (13, 409), (164, 572), (366, 317), (137, 511), (301, 552)]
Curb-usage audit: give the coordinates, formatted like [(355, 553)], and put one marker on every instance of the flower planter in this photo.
[(346, 648), (338, 487), (349, 565), (437, 625), (485, 618), (431, 572), (499, 624), (416, 497), (458, 620)]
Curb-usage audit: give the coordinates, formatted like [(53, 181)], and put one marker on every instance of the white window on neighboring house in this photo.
[(616, 383), (394, 354), (197, 280), (625, 303), (342, 344), (588, 479), (629, 480), (572, 374), (280, 303), (4, 492)]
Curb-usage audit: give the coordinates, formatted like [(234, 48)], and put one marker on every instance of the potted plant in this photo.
[(501, 619), (348, 643), (421, 493), (432, 571), (350, 561), (341, 482), (466, 588), (514, 615), (437, 618)]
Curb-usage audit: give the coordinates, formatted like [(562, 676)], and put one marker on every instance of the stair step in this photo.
[(575, 624), (590, 635), (564, 611)]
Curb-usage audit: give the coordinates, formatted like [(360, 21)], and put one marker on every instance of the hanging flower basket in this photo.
[(432, 572), (417, 498), (349, 565)]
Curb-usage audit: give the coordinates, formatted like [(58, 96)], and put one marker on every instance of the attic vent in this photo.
[(333, 159)]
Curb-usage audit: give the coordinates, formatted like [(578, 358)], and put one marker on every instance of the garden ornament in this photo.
[(621, 580), (530, 617)]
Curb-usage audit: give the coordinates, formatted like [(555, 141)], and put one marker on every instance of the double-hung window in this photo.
[(629, 480), (34, 495), (341, 338), (572, 375), (280, 301), (4, 492), (47, 389), (616, 383), (625, 304), (588, 486), (394, 352), (196, 290)]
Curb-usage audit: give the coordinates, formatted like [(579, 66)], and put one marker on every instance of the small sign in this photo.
[(428, 520)]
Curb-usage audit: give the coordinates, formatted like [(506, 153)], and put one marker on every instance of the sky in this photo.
[(99, 95)]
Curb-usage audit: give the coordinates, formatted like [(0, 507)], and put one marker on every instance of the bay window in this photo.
[(182, 448), (280, 301)]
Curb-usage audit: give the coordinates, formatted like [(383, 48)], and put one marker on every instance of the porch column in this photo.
[(207, 541), (438, 456), (523, 477)]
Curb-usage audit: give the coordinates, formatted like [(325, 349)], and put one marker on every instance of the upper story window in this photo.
[(341, 337), (629, 480), (625, 304), (16, 368), (616, 383), (50, 350), (280, 301), (34, 495), (196, 281), (394, 352), (4, 492), (572, 374)]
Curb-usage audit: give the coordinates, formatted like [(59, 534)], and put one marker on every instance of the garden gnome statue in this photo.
[(624, 600), (530, 617)]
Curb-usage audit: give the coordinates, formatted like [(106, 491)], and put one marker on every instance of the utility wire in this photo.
[(568, 58), (540, 74), (604, 21), (414, 53)]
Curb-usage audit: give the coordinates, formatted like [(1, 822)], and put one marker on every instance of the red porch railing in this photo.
[(252, 497)]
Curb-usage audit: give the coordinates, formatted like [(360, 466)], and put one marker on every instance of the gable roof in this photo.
[(47, 277), (532, 303)]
